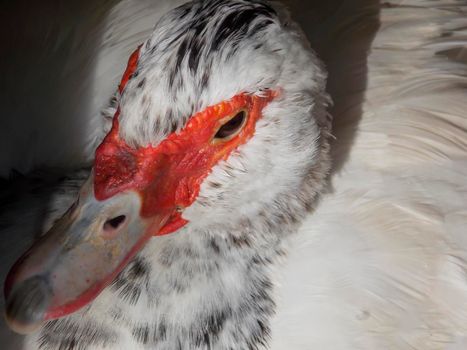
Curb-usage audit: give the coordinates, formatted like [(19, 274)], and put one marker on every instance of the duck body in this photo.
[(378, 264)]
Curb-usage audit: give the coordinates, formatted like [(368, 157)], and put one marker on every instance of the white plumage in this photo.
[(385, 248), (380, 264)]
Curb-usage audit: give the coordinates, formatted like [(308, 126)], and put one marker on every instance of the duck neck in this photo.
[(202, 290)]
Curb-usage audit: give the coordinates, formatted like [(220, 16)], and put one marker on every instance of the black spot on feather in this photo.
[(207, 330), (130, 282), (141, 83), (160, 332), (214, 246), (210, 27), (141, 334), (68, 335), (138, 269)]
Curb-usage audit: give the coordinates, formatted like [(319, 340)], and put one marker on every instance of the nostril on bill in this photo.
[(114, 223), (27, 304)]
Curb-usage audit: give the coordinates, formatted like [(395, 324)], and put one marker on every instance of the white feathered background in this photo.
[(385, 265)]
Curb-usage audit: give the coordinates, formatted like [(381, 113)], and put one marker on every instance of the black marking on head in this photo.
[(211, 27), (204, 80), (196, 44), (215, 184), (173, 124), (181, 53), (236, 25), (258, 27), (210, 34), (113, 101), (184, 12)]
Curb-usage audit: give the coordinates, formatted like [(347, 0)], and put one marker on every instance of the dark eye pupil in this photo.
[(114, 223), (232, 126)]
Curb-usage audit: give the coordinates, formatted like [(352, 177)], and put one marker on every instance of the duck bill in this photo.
[(77, 258)]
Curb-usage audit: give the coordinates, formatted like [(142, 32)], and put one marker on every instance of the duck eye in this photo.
[(232, 127)]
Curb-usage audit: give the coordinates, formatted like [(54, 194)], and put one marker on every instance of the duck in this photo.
[(209, 220)]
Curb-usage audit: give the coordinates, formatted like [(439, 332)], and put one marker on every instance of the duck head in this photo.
[(219, 113)]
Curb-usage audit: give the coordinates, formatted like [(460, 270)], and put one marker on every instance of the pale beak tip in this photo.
[(27, 304)]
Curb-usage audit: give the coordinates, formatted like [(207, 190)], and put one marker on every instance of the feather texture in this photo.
[(381, 263)]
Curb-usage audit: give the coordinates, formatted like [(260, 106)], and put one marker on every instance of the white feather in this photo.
[(381, 263)]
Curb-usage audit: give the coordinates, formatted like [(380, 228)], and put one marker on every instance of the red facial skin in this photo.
[(168, 177)]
